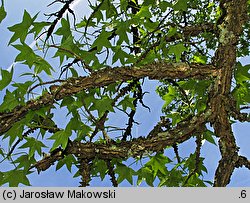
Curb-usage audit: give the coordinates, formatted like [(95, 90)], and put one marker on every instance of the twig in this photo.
[(111, 173)]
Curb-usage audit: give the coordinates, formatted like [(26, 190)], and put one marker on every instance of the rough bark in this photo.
[(232, 21), (137, 147), (71, 86)]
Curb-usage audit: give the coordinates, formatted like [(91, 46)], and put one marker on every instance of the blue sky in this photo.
[(241, 177)]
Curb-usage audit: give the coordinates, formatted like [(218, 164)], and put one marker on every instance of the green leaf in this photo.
[(143, 12), (37, 27), (172, 31), (85, 22), (124, 173), (242, 94), (25, 162), (10, 101), (74, 124), (33, 145), (163, 5), (150, 25), (6, 78), (124, 5), (242, 90), (122, 30), (84, 132), (190, 163), (119, 55), (22, 88), (242, 73), (150, 3), (3, 13), (42, 65), (67, 101), (200, 59), (177, 50), (99, 168), (195, 181), (21, 30), (14, 132), (1, 178), (73, 72), (173, 179), (127, 102), (61, 138), (68, 160), (26, 54), (64, 30), (110, 9), (208, 135), (145, 174), (158, 163), (180, 5), (169, 97), (102, 41), (15, 177), (103, 104)]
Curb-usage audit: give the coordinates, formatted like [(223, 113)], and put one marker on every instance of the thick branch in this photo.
[(71, 86), (137, 147), (231, 26)]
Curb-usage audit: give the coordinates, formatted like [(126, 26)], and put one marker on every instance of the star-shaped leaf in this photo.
[(21, 30), (34, 145), (25, 162), (145, 173), (15, 177), (177, 50), (157, 163), (61, 138), (6, 78), (124, 173), (127, 102)]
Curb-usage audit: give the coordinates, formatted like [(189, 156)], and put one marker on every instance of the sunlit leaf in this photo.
[(6, 78), (177, 50), (61, 139), (3, 13), (21, 30), (158, 163)]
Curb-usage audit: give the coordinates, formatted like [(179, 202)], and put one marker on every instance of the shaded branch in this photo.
[(111, 173), (242, 161), (84, 170), (137, 147), (58, 15)]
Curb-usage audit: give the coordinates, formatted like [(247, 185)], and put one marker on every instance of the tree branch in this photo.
[(232, 21), (243, 161), (106, 76), (137, 147)]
